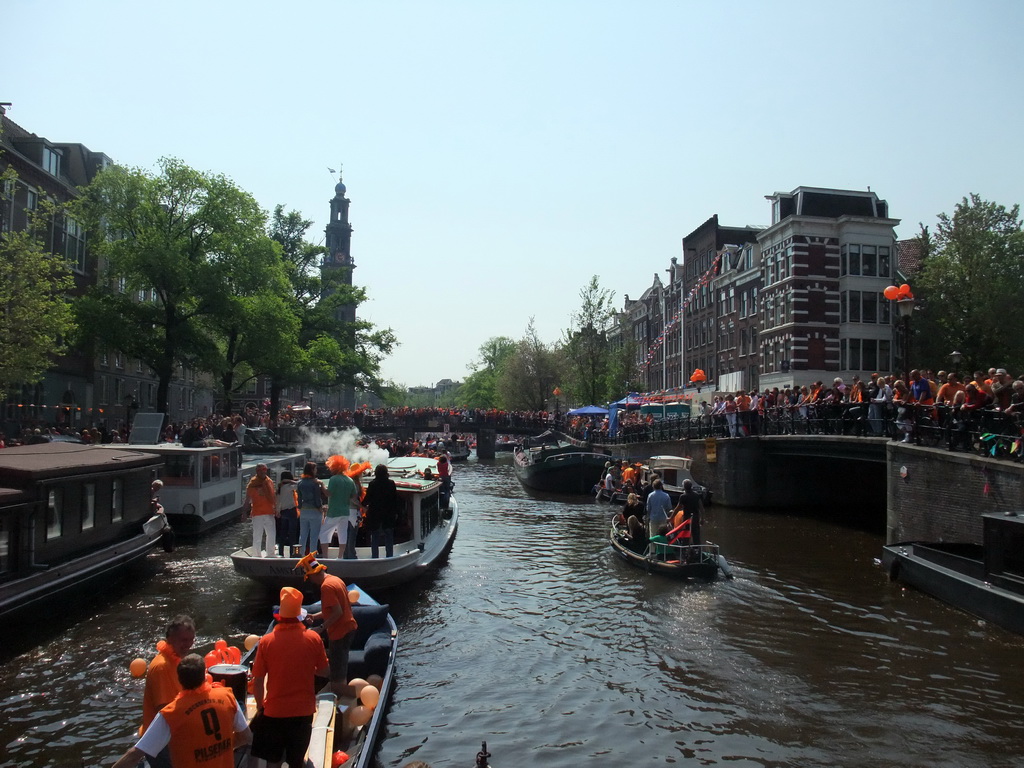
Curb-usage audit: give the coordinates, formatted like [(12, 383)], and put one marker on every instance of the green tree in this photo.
[(969, 288), (588, 352), (528, 377), (181, 236), (479, 390), (35, 316)]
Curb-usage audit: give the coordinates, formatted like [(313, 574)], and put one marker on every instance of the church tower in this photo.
[(339, 259)]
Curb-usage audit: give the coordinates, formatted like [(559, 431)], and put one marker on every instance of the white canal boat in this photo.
[(423, 537)]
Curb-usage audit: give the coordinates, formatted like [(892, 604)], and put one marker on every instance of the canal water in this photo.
[(536, 639)]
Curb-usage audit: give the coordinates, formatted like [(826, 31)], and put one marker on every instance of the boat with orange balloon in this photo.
[(345, 731)]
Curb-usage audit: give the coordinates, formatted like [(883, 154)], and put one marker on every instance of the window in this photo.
[(5, 545), (883, 262), (74, 244), (116, 501), (89, 506), (51, 161), (854, 259), (748, 258), (119, 361), (868, 260), (869, 307), (31, 200), (54, 514)]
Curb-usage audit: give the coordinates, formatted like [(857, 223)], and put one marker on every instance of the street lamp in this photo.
[(309, 396), (956, 357)]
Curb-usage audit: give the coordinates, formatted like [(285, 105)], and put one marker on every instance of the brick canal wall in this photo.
[(916, 493)]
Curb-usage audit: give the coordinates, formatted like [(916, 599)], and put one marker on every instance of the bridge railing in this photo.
[(988, 432)]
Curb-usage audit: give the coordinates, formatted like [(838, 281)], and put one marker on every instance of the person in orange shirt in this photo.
[(162, 683), (261, 504), (336, 613), (201, 727), (288, 661)]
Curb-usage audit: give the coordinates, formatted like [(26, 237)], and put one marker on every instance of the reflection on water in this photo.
[(535, 638)]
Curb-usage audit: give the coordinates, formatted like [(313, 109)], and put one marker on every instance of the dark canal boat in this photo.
[(69, 515), (984, 579), (553, 465)]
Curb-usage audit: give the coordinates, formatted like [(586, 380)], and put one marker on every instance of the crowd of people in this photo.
[(938, 407)]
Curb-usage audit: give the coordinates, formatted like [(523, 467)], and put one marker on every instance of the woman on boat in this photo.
[(382, 505), (310, 493), (287, 513), (631, 516)]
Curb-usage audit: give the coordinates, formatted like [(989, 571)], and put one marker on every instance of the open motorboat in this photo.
[(680, 561)]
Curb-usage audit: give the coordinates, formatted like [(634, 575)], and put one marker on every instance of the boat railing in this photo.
[(681, 553)]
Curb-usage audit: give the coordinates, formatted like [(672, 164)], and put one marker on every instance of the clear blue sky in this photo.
[(498, 154)]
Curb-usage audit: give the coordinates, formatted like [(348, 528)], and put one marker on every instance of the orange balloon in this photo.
[(251, 641), (353, 596), (359, 715), (904, 290), (221, 645), (358, 684), (211, 658), (338, 758), (891, 292), (369, 696), (375, 680), (137, 667), (234, 654)]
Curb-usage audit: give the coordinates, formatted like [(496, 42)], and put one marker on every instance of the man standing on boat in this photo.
[(690, 504), (201, 727), (336, 613), (292, 657), (162, 683), (261, 504), (659, 507), (341, 496)]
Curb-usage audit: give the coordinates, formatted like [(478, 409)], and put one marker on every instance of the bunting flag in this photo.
[(705, 279)]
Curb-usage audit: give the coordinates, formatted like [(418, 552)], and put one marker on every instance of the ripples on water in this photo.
[(535, 638)]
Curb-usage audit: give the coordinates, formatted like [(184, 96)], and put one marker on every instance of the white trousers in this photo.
[(264, 524), (332, 525)]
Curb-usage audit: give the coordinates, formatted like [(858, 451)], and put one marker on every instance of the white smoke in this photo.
[(346, 442)]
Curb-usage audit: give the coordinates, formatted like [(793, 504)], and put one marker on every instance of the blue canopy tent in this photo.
[(588, 410), (630, 401)]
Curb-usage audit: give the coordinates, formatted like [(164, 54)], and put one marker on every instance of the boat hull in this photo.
[(74, 576), (570, 473), (955, 579)]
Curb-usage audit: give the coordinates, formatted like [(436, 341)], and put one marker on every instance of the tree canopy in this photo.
[(588, 352), (480, 389), (529, 375), (970, 287), (174, 245), (35, 316)]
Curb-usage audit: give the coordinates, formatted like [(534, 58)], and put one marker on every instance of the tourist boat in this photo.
[(701, 562), (984, 579), (424, 536), (373, 652), (205, 486), (672, 470), (71, 515), (554, 465)]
